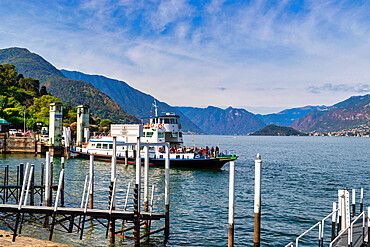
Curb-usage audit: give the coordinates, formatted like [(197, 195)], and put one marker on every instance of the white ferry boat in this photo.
[(158, 129)]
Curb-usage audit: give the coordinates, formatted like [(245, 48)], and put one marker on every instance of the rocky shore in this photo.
[(6, 240)]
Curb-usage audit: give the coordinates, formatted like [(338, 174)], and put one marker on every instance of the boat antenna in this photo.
[(155, 108)]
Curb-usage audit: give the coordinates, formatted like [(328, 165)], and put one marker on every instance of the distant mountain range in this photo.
[(120, 102), (231, 121), (75, 91), (350, 114), (288, 116), (130, 99)]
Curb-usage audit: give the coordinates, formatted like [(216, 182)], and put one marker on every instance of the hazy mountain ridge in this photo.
[(231, 121), (77, 92), (288, 116), (130, 99), (350, 114)]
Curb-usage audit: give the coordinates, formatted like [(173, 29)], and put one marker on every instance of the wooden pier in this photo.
[(19, 205)]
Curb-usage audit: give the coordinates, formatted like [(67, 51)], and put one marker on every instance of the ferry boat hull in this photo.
[(202, 163)]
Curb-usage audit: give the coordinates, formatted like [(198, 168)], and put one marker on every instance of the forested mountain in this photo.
[(74, 91), (288, 116), (350, 114), (274, 130), (217, 121), (130, 99)]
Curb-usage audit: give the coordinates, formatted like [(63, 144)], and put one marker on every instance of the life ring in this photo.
[(160, 126), (152, 125), (180, 126), (147, 125)]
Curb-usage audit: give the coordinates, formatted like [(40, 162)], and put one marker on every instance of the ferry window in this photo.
[(110, 146), (160, 135), (174, 134), (105, 146), (166, 121), (98, 145), (155, 120), (149, 134), (93, 145), (180, 134)]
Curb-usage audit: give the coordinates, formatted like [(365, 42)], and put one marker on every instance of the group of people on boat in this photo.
[(206, 152)]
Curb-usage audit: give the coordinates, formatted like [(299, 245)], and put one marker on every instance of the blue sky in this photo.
[(263, 56)]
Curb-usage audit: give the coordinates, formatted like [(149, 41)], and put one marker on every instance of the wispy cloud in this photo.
[(185, 52), (357, 88)]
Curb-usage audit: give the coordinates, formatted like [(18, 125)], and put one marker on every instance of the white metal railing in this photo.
[(349, 230), (320, 225)]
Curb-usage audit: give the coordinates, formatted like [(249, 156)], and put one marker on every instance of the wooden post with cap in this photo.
[(257, 202), (231, 203)]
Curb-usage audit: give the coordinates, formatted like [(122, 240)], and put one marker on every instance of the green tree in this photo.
[(41, 107)]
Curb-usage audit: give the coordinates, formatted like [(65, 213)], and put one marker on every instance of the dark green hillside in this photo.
[(130, 99), (274, 130), (77, 92)]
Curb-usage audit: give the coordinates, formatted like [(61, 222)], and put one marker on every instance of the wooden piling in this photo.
[(47, 180), (167, 192), (6, 182), (126, 156), (51, 161), (42, 183), (257, 202), (112, 201), (4, 193), (231, 203), (146, 185), (333, 221), (362, 200), (62, 186), (91, 172), (138, 169), (353, 202), (32, 188)]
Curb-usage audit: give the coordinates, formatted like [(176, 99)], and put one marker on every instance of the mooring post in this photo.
[(47, 180), (4, 194), (231, 203), (368, 225), (51, 161), (257, 202), (362, 200), (167, 192), (91, 191), (353, 202), (42, 183), (6, 187), (340, 212), (333, 221), (146, 185), (62, 186), (112, 195), (21, 173), (126, 156), (16, 192), (32, 189), (137, 194), (146, 178)]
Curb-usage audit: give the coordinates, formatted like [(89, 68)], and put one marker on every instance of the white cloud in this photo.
[(185, 54)]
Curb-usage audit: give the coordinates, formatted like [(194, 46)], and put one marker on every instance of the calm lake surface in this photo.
[(300, 179)]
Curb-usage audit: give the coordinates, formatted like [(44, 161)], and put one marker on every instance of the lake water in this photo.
[(300, 179)]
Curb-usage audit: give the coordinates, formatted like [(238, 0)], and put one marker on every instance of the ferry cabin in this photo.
[(162, 129)]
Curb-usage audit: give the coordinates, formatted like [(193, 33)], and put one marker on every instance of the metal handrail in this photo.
[(128, 192), (350, 232), (59, 189), (297, 239), (83, 194), (323, 222), (23, 187), (28, 185), (290, 244), (113, 195)]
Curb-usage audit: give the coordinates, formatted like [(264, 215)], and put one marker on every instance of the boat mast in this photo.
[(155, 108)]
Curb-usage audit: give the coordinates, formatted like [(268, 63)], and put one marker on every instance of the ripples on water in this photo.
[(300, 179)]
